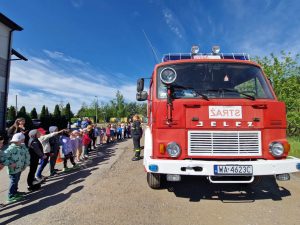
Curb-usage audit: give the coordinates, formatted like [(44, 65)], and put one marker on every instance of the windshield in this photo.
[(216, 80)]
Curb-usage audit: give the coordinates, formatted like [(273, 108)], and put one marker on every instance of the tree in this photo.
[(131, 109), (33, 114), (68, 113), (11, 113), (142, 109), (284, 72), (57, 112), (44, 117), (120, 105), (47, 112), (22, 112), (43, 112), (59, 120)]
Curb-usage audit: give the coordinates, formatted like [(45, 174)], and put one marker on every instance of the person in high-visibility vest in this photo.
[(136, 132)]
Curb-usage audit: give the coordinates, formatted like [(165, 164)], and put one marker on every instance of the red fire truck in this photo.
[(213, 115)]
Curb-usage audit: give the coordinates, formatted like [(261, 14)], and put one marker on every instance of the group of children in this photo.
[(115, 132), (40, 149)]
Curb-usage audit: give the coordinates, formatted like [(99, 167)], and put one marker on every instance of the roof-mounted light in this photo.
[(195, 49), (216, 49)]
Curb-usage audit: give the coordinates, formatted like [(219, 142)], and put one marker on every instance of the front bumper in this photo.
[(192, 167)]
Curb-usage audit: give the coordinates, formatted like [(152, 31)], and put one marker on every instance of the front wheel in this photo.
[(256, 182), (154, 180)]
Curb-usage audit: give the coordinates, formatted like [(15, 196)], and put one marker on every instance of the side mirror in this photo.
[(140, 85), (142, 96)]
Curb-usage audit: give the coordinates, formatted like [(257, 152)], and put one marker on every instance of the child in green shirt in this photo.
[(16, 157)]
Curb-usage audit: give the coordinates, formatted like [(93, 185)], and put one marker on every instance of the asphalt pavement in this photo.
[(111, 189)]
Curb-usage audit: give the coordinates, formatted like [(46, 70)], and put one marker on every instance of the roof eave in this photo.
[(11, 24)]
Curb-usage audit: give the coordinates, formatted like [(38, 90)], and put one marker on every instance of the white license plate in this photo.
[(233, 170)]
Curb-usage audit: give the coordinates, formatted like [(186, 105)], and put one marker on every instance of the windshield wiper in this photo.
[(251, 97), (241, 93), (192, 89)]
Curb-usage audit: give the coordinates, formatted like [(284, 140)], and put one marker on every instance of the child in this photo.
[(86, 140), (54, 146), (108, 133), (96, 135), (79, 146), (36, 153), (74, 142), (123, 130), (102, 132), (67, 149), (45, 141), (119, 132), (17, 158)]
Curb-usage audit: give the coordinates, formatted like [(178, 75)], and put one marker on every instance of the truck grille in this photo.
[(224, 143)]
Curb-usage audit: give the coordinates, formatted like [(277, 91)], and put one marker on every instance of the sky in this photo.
[(81, 50)]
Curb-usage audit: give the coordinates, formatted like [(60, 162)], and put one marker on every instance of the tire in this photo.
[(257, 180), (154, 180)]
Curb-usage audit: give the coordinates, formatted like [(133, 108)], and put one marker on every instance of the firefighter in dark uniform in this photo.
[(136, 132)]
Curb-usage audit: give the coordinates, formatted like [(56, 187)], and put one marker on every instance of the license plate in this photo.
[(233, 170)]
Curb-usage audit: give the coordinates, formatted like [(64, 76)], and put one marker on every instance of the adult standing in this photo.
[(137, 133), (17, 127)]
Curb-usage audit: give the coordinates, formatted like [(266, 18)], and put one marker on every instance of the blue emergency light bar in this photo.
[(181, 56)]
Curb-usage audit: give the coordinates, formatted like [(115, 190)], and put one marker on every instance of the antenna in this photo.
[(151, 46)]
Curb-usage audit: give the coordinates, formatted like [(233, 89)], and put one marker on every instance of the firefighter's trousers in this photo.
[(136, 144)]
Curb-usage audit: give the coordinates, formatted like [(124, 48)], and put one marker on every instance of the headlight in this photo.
[(168, 75), (173, 149), (276, 149)]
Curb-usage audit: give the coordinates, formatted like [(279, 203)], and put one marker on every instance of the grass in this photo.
[(295, 146)]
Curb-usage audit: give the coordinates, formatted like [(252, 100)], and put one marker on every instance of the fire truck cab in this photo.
[(213, 115)]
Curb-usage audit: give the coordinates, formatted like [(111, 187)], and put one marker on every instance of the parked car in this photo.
[(36, 123)]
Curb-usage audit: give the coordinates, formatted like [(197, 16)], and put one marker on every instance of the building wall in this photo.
[(4, 47)]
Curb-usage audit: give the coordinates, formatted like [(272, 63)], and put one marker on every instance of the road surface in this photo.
[(113, 190)]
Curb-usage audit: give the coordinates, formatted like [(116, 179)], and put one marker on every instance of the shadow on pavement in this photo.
[(199, 188), (50, 192)]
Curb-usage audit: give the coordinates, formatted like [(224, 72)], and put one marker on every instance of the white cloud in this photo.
[(61, 56), (77, 3), (40, 82), (173, 23)]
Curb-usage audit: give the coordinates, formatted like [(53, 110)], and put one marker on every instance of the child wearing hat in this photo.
[(16, 157), (68, 147)]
